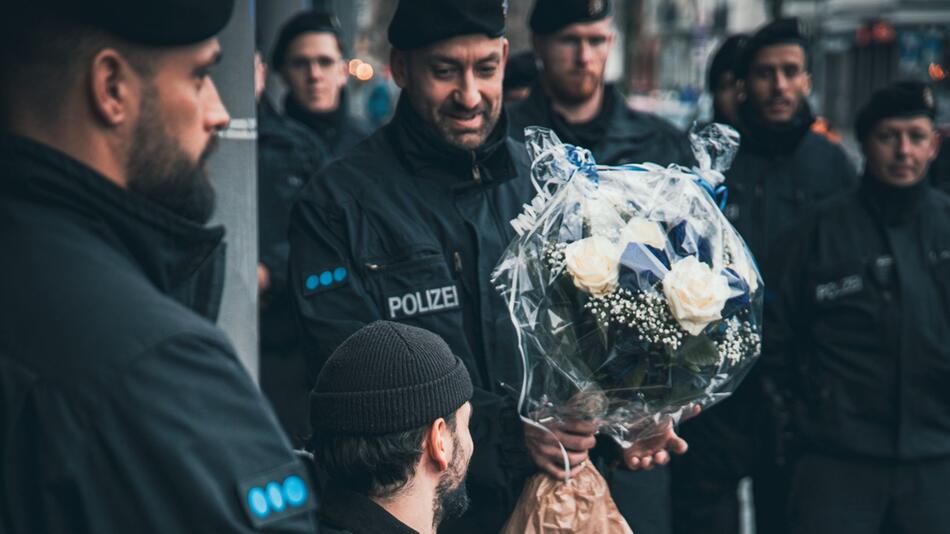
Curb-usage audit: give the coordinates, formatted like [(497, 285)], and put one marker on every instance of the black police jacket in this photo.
[(776, 175), (287, 156), (408, 228), (859, 330), (617, 136), (122, 407), (338, 130)]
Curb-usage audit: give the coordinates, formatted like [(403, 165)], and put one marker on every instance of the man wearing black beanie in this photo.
[(409, 225), (781, 169), (391, 411), (858, 335), (721, 80)]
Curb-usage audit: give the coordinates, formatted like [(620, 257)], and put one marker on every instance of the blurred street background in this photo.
[(664, 47)]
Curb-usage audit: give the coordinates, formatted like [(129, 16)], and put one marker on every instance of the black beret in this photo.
[(156, 23), (724, 60), (897, 100), (521, 70), (550, 16), (778, 32), (303, 22), (420, 23)]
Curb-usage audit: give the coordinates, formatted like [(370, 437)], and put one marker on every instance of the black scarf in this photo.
[(773, 139)]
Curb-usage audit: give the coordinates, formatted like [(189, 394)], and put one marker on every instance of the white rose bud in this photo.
[(594, 264), (645, 231), (695, 293)]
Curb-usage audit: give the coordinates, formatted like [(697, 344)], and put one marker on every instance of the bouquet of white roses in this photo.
[(633, 297)]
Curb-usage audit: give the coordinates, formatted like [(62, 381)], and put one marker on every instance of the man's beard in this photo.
[(455, 137), (159, 170), (568, 92), (451, 495)]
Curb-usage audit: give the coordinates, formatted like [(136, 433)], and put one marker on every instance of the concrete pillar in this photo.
[(233, 169)]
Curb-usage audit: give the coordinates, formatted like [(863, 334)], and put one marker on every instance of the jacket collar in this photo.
[(182, 259), (893, 205), (358, 514), (774, 139), (618, 122), (427, 155)]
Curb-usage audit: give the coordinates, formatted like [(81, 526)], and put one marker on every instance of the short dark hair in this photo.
[(312, 21), (375, 466), (47, 53)]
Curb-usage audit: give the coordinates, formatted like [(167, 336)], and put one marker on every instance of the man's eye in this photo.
[(597, 41), (442, 73), (300, 64), (791, 72), (488, 71), (326, 62)]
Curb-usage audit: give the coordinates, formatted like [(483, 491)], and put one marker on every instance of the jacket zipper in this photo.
[(458, 262), (476, 172)]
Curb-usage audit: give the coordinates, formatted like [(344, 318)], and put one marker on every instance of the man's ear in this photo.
[(437, 444), (399, 64), (807, 84), (740, 90), (114, 87)]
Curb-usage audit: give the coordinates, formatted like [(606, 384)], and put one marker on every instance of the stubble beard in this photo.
[(451, 495)]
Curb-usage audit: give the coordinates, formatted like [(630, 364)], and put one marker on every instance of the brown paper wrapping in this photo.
[(581, 506)]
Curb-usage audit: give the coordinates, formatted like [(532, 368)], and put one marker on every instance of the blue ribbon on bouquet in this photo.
[(719, 193)]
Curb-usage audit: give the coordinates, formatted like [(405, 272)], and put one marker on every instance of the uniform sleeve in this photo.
[(186, 443), (328, 293)]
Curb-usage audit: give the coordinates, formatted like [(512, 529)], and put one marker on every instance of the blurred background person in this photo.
[(391, 434), (858, 335), (721, 80), (781, 170), (309, 55), (572, 40), (287, 156), (521, 72)]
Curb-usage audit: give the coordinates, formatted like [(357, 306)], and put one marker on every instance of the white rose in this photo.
[(645, 231), (695, 293), (594, 263)]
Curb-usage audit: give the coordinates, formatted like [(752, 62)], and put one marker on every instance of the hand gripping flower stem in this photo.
[(560, 448)]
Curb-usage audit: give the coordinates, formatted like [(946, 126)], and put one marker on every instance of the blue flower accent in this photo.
[(257, 502), (686, 242), (740, 290), (295, 490), (339, 274), (642, 266), (275, 496)]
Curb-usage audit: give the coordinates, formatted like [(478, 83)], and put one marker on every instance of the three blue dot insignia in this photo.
[(276, 497), (325, 279)]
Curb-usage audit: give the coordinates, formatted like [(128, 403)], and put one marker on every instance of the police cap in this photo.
[(778, 32), (304, 22), (724, 60), (420, 23), (550, 16), (898, 100), (158, 23)]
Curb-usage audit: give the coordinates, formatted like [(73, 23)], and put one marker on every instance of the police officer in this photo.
[(122, 407), (572, 40), (409, 225), (721, 80), (309, 55), (287, 155), (781, 169), (861, 326)]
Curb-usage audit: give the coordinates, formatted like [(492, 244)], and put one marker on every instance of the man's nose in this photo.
[(216, 115), (468, 95), (584, 53)]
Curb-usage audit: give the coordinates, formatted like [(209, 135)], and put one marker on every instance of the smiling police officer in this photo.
[(122, 407), (409, 225), (861, 328)]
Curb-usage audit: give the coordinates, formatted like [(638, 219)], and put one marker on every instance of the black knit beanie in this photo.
[(388, 377)]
